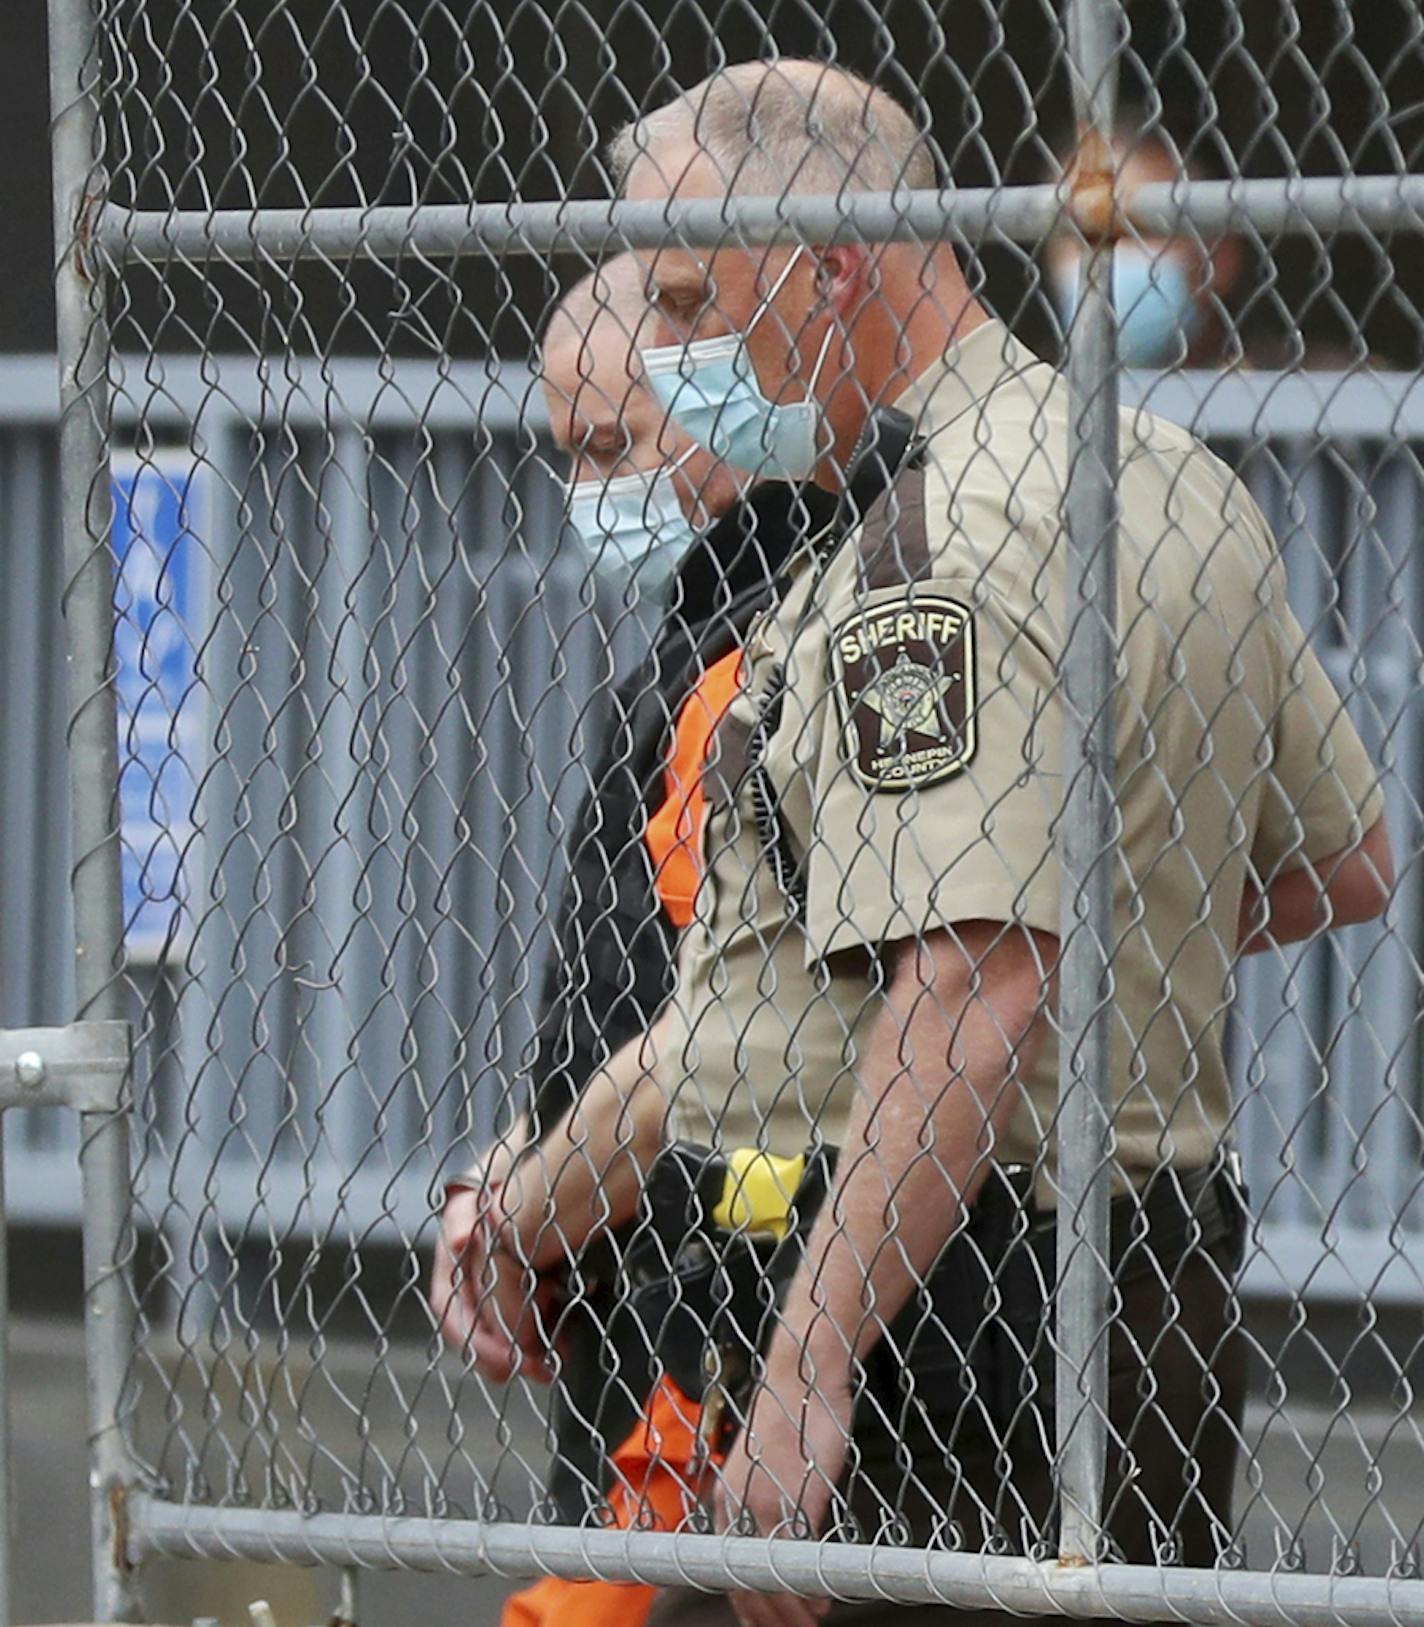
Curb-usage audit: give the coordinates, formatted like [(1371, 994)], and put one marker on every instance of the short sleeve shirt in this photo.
[(906, 686)]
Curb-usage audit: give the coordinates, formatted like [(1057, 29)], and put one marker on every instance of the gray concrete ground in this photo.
[(51, 1526), (1327, 1473)]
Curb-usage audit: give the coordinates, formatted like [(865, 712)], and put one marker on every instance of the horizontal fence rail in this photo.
[(1024, 214), (1216, 1598)]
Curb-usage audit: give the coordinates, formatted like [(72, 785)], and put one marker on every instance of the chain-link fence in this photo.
[(883, 871)]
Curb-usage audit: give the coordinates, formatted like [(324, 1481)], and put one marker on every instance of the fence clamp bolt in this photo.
[(30, 1069)]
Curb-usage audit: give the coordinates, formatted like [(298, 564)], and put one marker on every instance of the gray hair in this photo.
[(612, 293), (792, 125)]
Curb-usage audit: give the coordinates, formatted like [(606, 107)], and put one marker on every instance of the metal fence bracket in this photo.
[(82, 1066)]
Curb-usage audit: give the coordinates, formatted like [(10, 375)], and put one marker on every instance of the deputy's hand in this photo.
[(782, 1470)]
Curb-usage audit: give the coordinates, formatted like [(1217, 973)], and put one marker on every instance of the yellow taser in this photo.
[(758, 1191)]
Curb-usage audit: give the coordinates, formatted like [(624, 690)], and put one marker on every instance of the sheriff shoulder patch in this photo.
[(905, 675)]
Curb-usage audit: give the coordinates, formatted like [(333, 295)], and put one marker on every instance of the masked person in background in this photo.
[(1171, 294), (639, 492), (866, 986), (658, 518), (1178, 299)]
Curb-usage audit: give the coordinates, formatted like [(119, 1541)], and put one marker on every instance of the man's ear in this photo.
[(841, 272)]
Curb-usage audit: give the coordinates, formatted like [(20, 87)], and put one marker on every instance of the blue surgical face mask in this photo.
[(709, 388), (1152, 296), (632, 527)]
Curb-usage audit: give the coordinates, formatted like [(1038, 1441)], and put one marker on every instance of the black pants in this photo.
[(923, 1460)]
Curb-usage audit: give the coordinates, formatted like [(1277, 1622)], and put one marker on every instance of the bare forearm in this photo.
[(1291, 909), (493, 1164), (588, 1172), (939, 1086), (908, 1172)]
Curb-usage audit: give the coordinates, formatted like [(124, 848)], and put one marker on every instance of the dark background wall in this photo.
[(26, 240), (255, 103)]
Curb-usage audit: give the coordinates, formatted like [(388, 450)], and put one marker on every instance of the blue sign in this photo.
[(160, 517)]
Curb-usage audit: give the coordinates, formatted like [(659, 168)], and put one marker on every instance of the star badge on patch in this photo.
[(905, 675)]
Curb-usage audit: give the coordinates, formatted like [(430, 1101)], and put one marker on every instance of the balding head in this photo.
[(770, 128), (849, 324), (589, 345)]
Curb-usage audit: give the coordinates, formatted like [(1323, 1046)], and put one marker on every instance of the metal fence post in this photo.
[(1088, 834), (7, 1486), (82, 344)]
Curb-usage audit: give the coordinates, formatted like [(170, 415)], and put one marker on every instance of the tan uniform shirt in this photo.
[(916, 760)]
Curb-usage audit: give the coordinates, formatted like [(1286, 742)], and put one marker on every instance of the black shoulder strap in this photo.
[(887, 445)]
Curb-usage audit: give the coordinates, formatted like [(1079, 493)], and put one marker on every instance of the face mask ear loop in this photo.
[(657, 481), (672, 468), (663, 474), (816, 375), (668, 470), (775, 288), (815, 378)]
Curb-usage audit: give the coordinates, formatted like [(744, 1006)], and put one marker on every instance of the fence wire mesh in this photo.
[(679, 858)]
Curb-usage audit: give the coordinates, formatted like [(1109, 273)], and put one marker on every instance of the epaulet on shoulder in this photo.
[(886, 476), (893, 547)]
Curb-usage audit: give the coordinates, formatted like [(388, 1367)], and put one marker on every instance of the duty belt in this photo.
[(708, 1263)]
